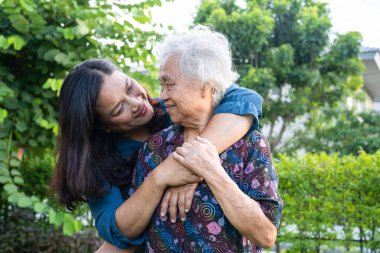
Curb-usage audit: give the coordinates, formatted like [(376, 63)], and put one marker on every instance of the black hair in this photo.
[(87, 156)]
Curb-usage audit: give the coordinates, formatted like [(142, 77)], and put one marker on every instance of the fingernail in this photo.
[(186, 210), (183, 219), (162, 214), (172, 221)]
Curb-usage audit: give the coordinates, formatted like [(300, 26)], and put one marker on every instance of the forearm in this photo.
[(134, 215), (225, 129), (243, 212)]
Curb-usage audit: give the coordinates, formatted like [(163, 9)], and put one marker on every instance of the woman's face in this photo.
[(187, 102), (123, 104)]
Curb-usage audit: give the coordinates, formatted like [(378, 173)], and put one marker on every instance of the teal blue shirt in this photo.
[(237, 100)]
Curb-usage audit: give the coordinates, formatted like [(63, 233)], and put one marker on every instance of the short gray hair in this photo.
[(202, 54)]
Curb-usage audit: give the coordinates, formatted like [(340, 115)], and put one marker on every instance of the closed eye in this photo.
[(121, 109)]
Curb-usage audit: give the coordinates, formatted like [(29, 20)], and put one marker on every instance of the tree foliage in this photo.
[(339, 131), (40, 41), (282, 50)]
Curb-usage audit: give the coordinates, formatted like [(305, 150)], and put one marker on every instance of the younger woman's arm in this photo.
[(122, 222)]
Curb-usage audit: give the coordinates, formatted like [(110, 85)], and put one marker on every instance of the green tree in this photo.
[(282, 50), (40, 41), (339, 131)]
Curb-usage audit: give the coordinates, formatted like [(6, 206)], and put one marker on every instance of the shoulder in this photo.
[(255, 142), (236, 92)]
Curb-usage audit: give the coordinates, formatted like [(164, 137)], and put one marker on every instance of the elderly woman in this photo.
[(237, 207)]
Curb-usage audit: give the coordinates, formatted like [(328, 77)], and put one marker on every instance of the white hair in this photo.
[(204, 55)]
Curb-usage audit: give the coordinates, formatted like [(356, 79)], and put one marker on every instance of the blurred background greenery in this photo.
[(326, 153)]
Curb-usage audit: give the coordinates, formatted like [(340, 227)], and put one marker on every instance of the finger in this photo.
[(181, 151), (178, 157), (189, 197), (165, 203), (203, 140), (187, 144), (181, 205), (173, 207)]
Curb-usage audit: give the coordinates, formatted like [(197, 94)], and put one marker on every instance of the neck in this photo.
[(195, 129), (138, 134)]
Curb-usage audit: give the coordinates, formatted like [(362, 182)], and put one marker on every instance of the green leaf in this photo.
[(5, 179), (68, 225), (82, 28), (10, 188), (14, 197), (40, 207), (18, 42), (5, 92), (37, 21), (60, 57), (55, 218), (19, 23), (14, 162), (21, 126), (49, 55), (52, 216), (27, 5), (4, 42), (18, 180), (15, 172), (32, 142), (24, 202), (3, 115), (69, 33)]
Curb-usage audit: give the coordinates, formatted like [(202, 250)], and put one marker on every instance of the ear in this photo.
[(208, 89)]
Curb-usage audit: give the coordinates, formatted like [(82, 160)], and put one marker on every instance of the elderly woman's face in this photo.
[(185, 99), (123, 104)]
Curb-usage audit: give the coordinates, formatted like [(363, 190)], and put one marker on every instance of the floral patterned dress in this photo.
[(206, 229)]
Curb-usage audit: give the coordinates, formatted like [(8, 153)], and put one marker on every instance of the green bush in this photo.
[(22, 231), (329, 202)]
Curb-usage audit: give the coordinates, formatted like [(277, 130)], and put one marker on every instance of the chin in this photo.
[(175, 120)]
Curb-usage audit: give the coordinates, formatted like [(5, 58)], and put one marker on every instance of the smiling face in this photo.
[(187, 102), (123, 104)]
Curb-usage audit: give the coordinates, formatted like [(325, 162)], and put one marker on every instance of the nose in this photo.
[(164, 93), (134, 103)]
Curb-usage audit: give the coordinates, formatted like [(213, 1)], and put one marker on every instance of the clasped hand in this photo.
[(201, 158)]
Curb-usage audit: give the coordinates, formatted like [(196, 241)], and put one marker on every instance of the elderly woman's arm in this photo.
[(245, 213)]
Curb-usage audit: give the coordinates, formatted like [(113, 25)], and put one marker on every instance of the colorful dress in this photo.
[(206, 229)]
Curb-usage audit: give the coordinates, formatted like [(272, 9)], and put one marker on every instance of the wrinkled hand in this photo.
[(172, 173), (181, 196), (198, 155)]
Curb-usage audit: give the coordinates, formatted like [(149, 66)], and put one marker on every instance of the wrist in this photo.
[(214, 174), (158, 180)]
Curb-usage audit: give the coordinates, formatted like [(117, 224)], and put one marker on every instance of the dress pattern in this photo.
[(206, 229)]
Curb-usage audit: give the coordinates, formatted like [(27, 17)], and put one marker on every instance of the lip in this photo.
[(143, 111), (169, 106)]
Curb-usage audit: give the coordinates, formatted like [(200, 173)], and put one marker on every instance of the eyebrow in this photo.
[(127, 84), (164, 78)]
